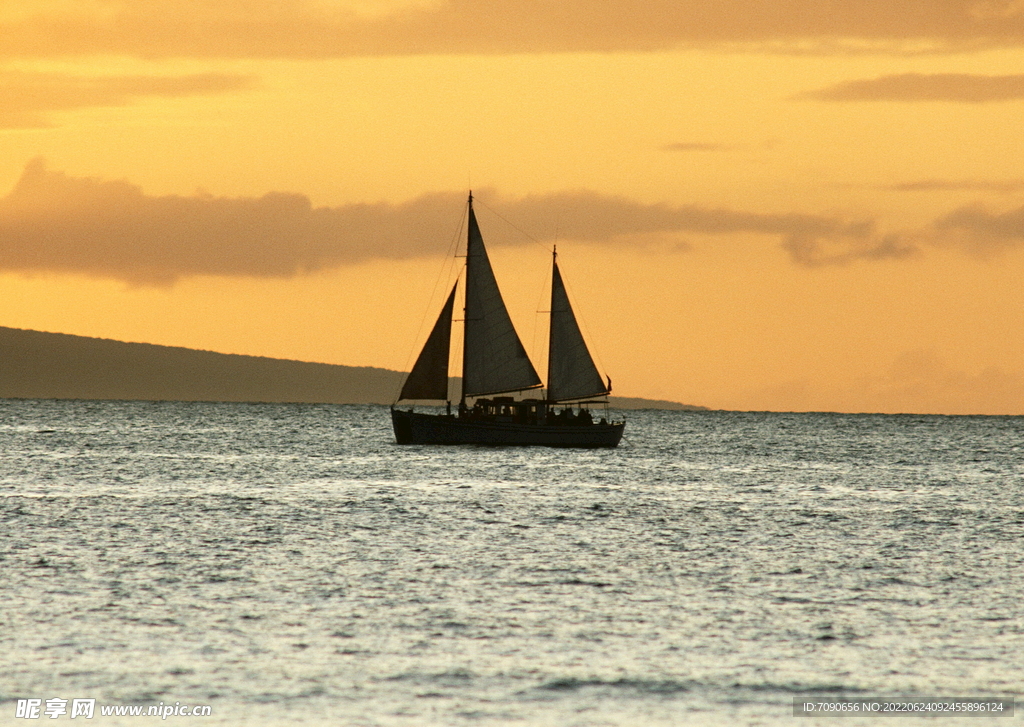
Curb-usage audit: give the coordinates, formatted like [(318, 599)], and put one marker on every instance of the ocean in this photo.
[(289, 564)]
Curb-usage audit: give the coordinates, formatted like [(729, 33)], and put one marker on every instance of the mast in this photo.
[(494, 360), (465, 309)]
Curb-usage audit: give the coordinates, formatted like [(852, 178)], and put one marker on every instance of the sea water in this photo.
[(290, 564)]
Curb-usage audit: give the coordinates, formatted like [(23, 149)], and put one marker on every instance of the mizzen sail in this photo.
[(494, 360), (429, 376), (571, 370)]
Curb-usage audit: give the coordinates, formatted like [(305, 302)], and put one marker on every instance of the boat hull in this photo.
[(416, 428)]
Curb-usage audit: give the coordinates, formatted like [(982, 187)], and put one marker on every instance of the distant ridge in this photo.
[(627, 402), (38, 365)]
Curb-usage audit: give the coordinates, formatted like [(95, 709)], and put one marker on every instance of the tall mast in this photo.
[(551, 319), (465, 302), (494, 360)]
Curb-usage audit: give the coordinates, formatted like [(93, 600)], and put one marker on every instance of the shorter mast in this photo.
[(572, 373)]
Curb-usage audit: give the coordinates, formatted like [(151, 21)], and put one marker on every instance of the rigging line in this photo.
[(531, 238), (455, 351), (541, 309), (447, 263), (518, 229)]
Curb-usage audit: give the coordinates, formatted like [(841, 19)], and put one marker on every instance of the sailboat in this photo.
[(495, 365)]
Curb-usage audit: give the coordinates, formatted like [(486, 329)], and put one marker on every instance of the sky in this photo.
[(788, 206)]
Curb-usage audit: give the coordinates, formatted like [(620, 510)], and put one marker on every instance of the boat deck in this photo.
[(417, 428)]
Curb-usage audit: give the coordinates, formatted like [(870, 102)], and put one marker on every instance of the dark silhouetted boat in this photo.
[(495, 366)]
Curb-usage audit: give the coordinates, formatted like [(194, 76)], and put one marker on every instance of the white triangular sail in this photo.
[(494, 360), (571, 370), (429, 376)]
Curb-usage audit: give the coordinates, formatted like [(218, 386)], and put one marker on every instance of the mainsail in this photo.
[(429, 376), (494, 360), (571, 370)]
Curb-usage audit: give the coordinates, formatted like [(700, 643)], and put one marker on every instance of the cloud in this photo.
[(916, 382), (847, 244), (53, 222), (976, 230), (698, 146), (811, 240), (955, 87), (1007, 186), (312, 29), (702, 146), (28, 98)]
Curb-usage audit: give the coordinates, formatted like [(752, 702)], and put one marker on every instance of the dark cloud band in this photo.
[(53, 222), (29, 98), (308, 29), (955, 87)]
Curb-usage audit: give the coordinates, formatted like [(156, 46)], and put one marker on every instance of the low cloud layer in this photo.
[(30, 98), (53, 222), (978, 230), (917, 381), (1007, 186), (698, 146), (911, 87), (310, 29)]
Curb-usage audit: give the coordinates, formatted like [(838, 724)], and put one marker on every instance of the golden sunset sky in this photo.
[(758, 205)]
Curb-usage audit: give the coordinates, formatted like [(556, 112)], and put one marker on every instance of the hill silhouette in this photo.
[(38, 365)]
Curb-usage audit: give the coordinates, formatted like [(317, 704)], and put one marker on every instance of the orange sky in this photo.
[(796, 206)]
